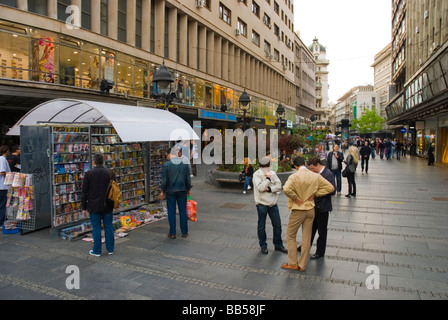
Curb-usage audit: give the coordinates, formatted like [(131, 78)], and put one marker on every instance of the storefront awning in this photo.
[(133, 124)]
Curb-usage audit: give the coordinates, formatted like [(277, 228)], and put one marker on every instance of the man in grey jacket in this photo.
[(267, 187)]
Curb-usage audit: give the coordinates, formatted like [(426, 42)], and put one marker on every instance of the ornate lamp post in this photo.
[(280, 115), (244, 105)]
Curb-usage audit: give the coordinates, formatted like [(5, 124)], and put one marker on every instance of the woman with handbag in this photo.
[(351, 161)]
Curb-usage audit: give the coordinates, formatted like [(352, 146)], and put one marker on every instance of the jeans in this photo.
[(274, 215), (95, 220), (179, 197), (247, 181), (398, 153), (388, 153), (337, 175), (3, 198)]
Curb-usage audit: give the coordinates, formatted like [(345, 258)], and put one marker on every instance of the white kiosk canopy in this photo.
[(133, 124)]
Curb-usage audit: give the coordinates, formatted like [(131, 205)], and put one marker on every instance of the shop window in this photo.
[(141, 79), (125, 79), (69, 66), (90, 66), (108, 65), (43, 57), (14, 56), (208, 95), (200, 93)]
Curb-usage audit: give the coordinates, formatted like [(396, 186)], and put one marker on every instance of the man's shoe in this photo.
[(315, 256), (264, 250), (281, 249), (94, 254), (288, 267), (348, 195), (185, 235)]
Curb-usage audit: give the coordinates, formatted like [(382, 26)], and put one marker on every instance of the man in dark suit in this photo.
[(322, 207), (334, 164), (365, 152)]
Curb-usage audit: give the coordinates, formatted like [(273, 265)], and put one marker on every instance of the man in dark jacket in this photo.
[(176, 185), (334, 164), (365, 152), (93, 199), (322, 207)]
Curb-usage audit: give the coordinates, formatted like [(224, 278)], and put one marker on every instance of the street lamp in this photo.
[(280, 114), (313, 118), (163, 78), (244, 104)]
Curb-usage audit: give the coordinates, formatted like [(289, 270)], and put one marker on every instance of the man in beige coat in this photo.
[(301, 188)]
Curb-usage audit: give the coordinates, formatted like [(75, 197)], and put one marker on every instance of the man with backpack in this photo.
[(94, 193)]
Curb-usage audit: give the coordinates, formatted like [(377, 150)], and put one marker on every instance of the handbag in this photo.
[(241, 177), (345, 172)]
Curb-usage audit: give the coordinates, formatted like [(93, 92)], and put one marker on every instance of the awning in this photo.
[(133, 124)]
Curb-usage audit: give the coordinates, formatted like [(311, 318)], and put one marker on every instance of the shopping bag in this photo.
[(191, 210)]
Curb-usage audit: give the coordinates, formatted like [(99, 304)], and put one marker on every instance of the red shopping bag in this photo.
[(191, 210)]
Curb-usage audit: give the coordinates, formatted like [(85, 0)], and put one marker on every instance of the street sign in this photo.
[(403, 130)]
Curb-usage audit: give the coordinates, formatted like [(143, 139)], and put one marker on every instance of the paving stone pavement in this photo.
[(398, 222)]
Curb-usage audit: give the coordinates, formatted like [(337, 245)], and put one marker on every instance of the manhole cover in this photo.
[(439, 199), (233, 205)]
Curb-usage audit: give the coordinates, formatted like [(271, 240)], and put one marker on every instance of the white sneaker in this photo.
[(244, 192), (249, 187)]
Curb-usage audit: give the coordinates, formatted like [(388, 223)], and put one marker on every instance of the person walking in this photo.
[(334, 164), (322, 208), (300, 189), (4, 169), (248, 172), (365, 155), (388, 145), (193, 156), (176, 185), (351, 161), (398, 149), (431, 154), (93, 199), (381, 147), (267, 187)]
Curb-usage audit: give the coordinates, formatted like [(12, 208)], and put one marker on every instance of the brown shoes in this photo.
[(288, 267)]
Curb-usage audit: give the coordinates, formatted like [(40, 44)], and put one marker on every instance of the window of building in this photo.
[(277, 30), (125, 74), (104, 17), (242, 27), (267, 48), (62, 7), (276, 7), (267, 20), (44, 53), (138, 23), (276, 55), (256, 9), (14, 56), (10, 3), (224, 13), (69, 62), (255, 38), (121, 35), (90, 66), (86, 14), (38, 6)]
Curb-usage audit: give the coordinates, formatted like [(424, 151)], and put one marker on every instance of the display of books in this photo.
[(71, 160)]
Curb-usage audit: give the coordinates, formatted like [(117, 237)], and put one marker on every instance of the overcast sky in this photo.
[(353, 31)]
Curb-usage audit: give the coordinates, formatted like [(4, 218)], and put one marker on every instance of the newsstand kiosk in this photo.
[(58, 141)]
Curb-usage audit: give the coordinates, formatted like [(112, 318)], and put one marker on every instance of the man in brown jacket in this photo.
[(301, 188)]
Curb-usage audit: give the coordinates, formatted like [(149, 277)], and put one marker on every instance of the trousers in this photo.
[(305, 219)]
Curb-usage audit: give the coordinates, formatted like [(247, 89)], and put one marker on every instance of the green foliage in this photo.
[(369, 122)]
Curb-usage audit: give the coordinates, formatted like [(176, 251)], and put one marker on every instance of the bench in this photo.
[(223, 180)]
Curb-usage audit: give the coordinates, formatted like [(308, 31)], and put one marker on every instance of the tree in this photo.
[(369, 122)]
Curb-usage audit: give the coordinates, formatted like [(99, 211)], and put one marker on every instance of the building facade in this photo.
[(322, 110), (214, 49), (420, 74), (305, 79)]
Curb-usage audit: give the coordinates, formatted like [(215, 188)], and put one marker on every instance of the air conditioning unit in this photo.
[(284, 67), (237, 32), (268, 54)]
